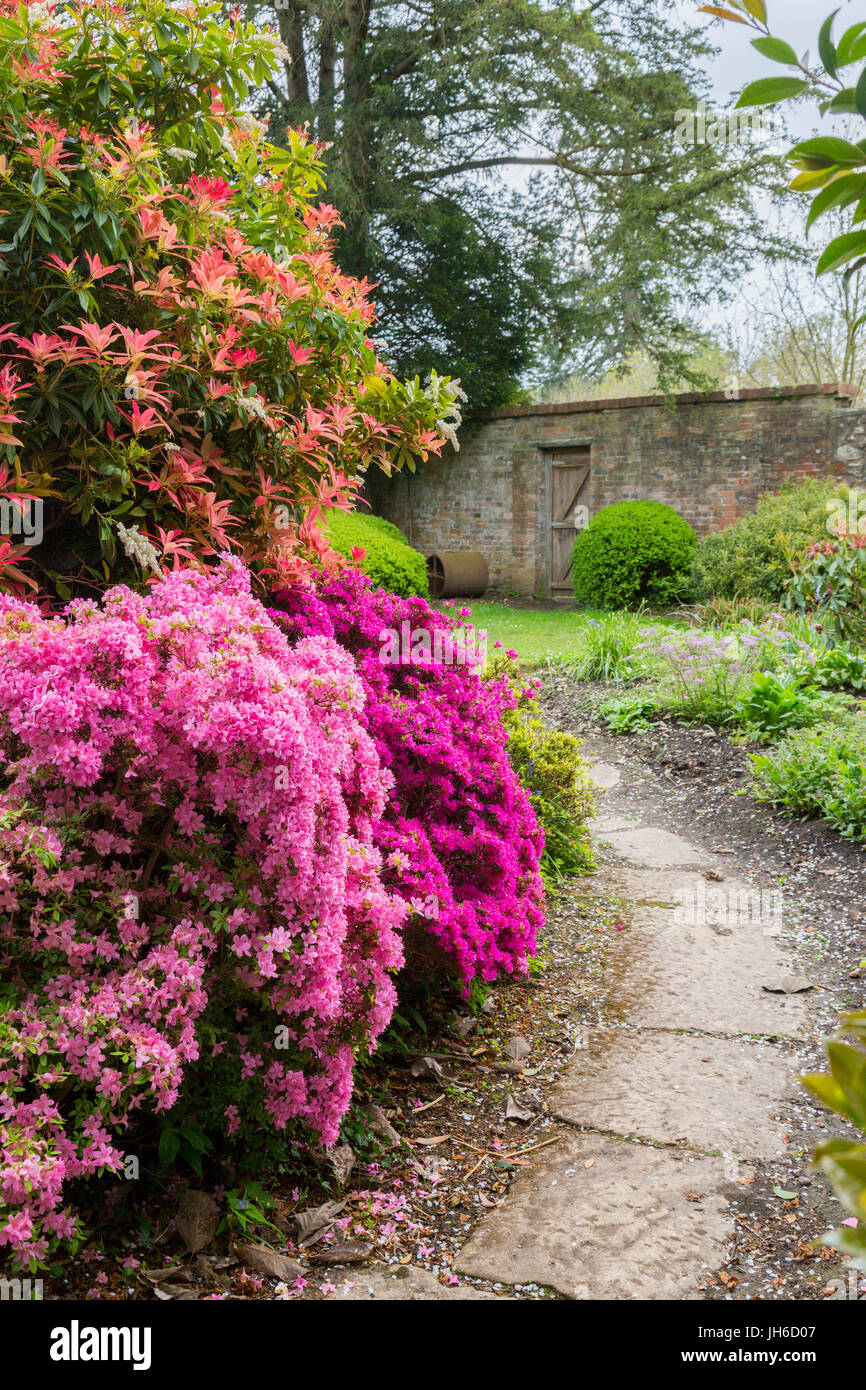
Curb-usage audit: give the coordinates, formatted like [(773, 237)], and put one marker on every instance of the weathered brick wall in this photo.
[(707, 456)]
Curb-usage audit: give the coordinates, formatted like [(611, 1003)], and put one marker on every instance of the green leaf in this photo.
[(844, 103), (860, 94), (840, 192), (826, 47), (842, 250), (169, 1147), (757, 9), (830, 147), (849, 46), (769, 90), (786, 1196), (776, 50)]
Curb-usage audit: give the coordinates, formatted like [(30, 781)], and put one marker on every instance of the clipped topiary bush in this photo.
[(632, 552), (753, 557), (388, 558)]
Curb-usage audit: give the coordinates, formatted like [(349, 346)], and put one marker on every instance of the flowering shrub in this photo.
[(828, 585), (752, 557), (189, 876), (183, 368), (459, 830)]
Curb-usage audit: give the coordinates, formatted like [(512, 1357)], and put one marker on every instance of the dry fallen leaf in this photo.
[(268, 1261), (311, 1225), (515, 1111), (197, 1219), (351, 1252)]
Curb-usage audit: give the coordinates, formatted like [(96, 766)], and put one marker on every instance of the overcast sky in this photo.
[(797, 21)]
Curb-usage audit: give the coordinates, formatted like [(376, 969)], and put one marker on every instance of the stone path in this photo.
[(661, 1115)]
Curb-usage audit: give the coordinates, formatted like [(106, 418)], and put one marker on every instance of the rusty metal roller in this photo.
[(457, 574)]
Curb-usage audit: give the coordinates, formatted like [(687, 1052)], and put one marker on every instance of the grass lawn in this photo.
[(536, 634)]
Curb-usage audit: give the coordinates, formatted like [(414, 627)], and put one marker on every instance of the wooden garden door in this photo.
[(568, 475)]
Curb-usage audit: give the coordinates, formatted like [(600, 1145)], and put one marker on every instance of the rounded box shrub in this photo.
[(633, 551), (379, 550)]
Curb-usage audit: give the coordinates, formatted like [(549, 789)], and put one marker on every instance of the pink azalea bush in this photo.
[(190, 875), (459, 830)]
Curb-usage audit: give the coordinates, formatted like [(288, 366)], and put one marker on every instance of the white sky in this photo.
[(738, 63), (796, 21)]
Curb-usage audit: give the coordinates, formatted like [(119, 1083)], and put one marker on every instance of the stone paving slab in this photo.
[(698, 976), (383, 1283), (602, 826), (716, 1093), (604, 775), (653, 848), (606, 1219)]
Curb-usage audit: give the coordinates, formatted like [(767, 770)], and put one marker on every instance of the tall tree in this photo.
[(509, 175)]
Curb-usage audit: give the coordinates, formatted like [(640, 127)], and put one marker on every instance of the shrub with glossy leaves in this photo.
[(190, 881), (632, 552), (183, 367)]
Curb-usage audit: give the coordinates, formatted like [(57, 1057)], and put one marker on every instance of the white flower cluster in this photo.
[(138, 547), (250, 125), (37, 15), (252, 406), (451, 393), (226, 145), (280, 52)]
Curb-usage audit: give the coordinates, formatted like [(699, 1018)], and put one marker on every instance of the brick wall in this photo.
[(705, 455)]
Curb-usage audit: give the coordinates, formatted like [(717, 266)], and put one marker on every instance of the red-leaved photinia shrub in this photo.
[(459, 831), (184, 369), (189, 876)]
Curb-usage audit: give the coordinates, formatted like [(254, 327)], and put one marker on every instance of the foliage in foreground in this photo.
[(818, 772), (183, 367), (551, 767), (632, 553), (832, 169), (379, 550), (843, 1161)]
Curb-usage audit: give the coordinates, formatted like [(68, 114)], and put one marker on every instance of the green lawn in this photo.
[(535, 635)]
